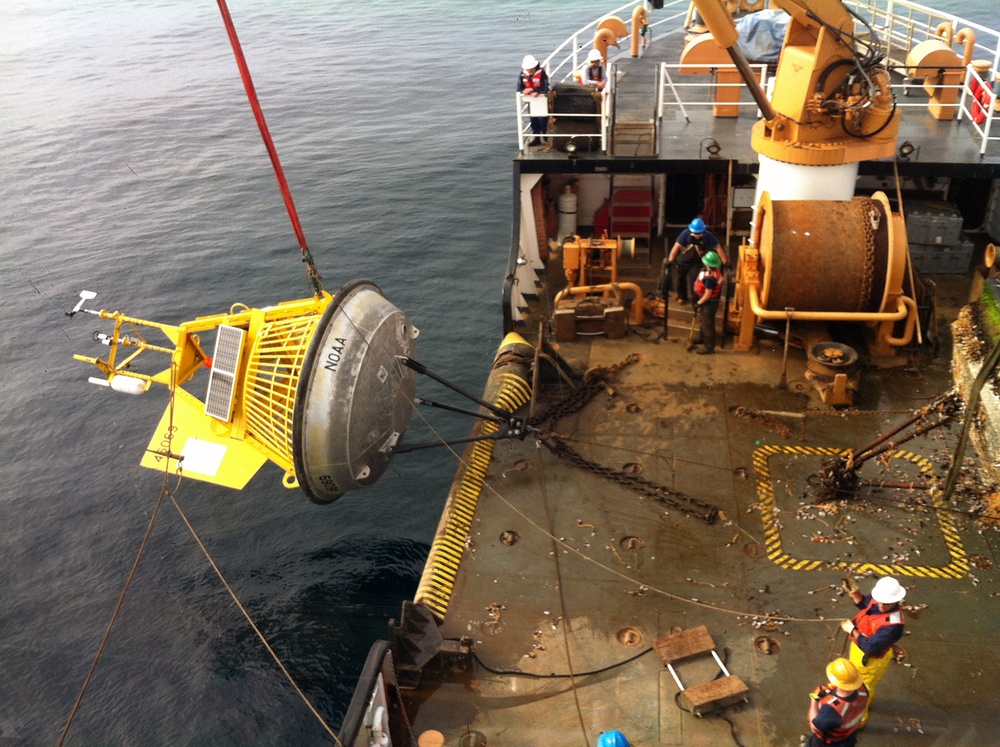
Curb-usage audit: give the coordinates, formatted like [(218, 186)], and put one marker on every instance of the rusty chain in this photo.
[(596, 381), (682, 502), (869, 212)]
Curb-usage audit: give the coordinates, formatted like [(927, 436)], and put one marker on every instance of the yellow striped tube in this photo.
[(508, 387)]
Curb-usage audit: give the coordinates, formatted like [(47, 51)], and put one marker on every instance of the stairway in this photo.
[(633, 138)]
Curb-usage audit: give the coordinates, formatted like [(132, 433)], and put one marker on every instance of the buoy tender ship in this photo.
[(638, 538), (653, 541)]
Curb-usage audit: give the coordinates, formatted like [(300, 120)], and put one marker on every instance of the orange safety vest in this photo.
[(699, 284), (850, 710), (867, 624), (532, 80)]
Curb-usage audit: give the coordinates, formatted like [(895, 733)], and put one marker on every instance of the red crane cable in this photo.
[(258, 114)]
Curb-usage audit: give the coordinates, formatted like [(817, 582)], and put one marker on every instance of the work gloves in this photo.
[(848, 586)]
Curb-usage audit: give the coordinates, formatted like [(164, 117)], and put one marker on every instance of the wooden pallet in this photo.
[(706, 696)]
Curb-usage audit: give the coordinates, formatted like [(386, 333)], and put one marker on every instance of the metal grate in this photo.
[(222, 380), (272, 380)]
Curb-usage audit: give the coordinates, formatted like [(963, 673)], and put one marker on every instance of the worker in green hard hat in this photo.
[(707, 291), (692, 244)]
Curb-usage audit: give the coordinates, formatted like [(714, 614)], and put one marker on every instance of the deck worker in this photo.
[(874, 630), (707, 291), (613, 738), (835, 710), (534, 81), (691, 245), (594, 73)]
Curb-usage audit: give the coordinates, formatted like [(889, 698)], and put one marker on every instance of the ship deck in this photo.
[(569, 577)]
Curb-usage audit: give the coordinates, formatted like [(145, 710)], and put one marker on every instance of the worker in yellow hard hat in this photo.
[(874, 630), (836, 709)]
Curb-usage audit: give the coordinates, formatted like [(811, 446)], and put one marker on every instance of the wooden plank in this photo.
[(714, 694), (684, 645)]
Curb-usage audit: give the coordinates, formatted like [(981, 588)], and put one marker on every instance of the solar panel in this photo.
[(225, 364)]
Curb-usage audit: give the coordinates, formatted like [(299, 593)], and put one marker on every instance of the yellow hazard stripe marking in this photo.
[(448, 548), (957, 568)]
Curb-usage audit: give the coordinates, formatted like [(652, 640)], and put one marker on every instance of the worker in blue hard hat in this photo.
[(613, 738), (691, 245)]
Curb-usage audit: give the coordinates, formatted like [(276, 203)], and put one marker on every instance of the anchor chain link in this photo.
[(682, 502), (596, 381)]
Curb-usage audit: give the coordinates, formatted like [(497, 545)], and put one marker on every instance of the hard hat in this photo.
[(612, 738), (595, 55), (888, 591), (712, 259), (843, 674), (696, 226), (529, 62)]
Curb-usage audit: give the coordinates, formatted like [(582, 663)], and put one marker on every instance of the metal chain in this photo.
[(869, 212), (682, 502), (595, 381)]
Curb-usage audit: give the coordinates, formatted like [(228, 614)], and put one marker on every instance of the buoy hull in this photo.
[(354, 399)]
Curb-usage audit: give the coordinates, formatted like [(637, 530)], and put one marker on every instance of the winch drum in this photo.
[(820, 255)]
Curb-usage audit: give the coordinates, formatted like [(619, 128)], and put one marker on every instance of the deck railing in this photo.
[(979, 104), (693, 92), (901, 25), (567, 58), (525, 136), (898, 24)]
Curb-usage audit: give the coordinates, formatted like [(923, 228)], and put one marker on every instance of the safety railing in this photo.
[(528, 109), (570, 55), (699, 93), (899, 25), (979, 104)]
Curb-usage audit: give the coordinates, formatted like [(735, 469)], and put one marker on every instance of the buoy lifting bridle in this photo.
[(511, 426)]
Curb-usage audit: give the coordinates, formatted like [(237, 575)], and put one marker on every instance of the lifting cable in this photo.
[(253, 625), (164, 490), (171, 492), (272, 151)]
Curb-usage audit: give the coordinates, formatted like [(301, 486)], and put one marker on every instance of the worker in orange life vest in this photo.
[(691, 245), (707, 290), (835, 710), (534, 81), (874, 630)]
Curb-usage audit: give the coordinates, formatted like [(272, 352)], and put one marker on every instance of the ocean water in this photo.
[(132, 166)]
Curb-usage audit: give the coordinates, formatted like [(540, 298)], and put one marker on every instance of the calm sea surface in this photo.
[(132, 166)]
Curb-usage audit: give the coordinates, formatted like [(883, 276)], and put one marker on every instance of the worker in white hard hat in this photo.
[(534, 81), (836, 709), (874, 630), (594, 73)]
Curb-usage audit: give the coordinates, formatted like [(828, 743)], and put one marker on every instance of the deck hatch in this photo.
[(225, 364)]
